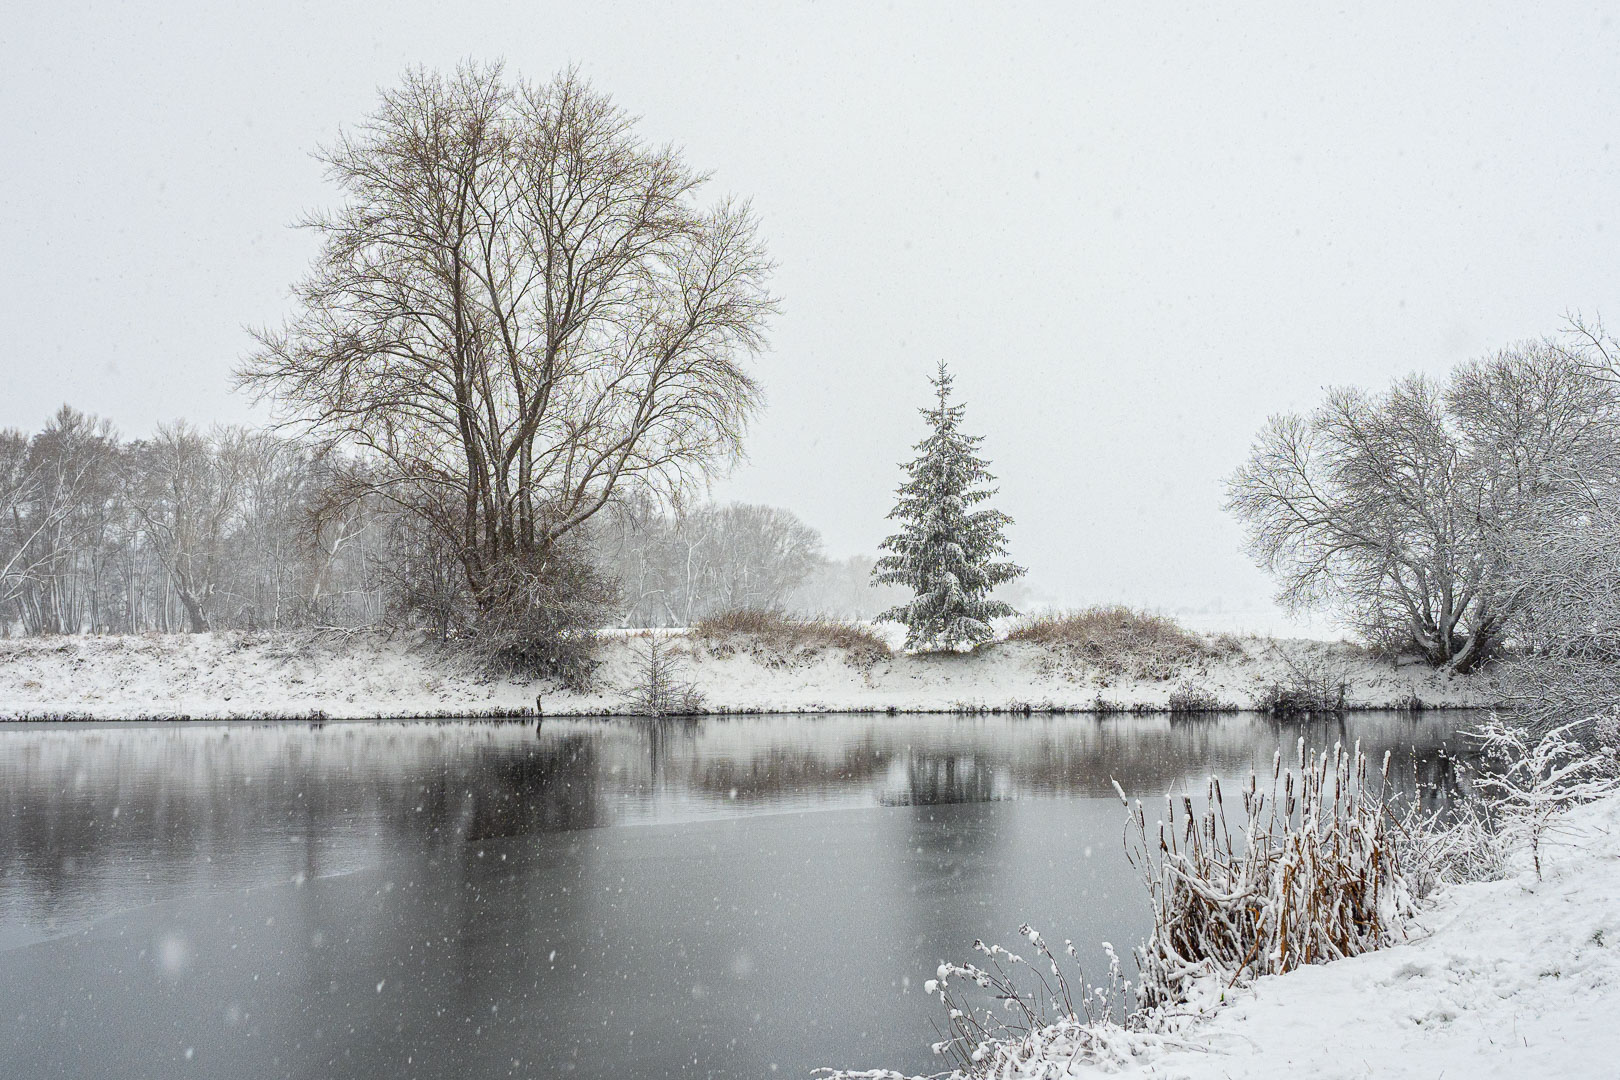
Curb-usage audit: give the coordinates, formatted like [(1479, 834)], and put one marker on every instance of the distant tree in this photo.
[(843, 589), (1401, 510), (757, 555), (520, 310), (946, 553), (676, 567), (58, 498), (190, 498)]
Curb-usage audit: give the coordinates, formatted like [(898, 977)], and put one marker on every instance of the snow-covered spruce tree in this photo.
[(946, 552)]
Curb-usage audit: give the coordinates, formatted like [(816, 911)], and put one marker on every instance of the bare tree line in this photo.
[(235, 528), (677, 565), (188, 530)]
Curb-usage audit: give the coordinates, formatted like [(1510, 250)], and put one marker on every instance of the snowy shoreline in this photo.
[(1517, 977), (1511, 978), (370, 675)]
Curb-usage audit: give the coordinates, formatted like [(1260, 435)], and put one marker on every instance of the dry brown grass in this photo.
[(1115, 640), (777, 639)]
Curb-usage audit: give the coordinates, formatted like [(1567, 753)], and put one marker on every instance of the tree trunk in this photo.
[(194, 611)]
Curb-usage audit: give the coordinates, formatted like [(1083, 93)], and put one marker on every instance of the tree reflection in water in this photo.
[(217, 803), (442, 899)]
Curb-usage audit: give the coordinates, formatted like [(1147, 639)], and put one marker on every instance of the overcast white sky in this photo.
[(1133, 230)]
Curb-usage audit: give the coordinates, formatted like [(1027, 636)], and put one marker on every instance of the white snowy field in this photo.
[(1514, 979), (373, 675)]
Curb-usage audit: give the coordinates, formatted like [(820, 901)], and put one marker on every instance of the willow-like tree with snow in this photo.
[(949, 554)]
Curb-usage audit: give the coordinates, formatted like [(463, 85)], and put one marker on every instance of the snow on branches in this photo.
[(948, 553)]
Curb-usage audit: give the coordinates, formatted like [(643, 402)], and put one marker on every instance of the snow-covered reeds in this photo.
[(1312, 873), (1310, 863)]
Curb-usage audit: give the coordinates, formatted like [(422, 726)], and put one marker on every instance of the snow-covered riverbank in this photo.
[(1517, 978), (372, 675)]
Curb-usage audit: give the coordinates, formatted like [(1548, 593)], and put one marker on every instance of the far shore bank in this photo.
[(372, 675)]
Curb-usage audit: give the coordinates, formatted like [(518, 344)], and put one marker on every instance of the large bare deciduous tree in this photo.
[(520, 310), (1399, 510)]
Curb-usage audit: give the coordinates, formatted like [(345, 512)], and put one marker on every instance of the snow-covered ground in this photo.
[(1514, 979), (372, 675)]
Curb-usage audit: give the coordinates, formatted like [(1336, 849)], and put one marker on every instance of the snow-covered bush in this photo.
[(661, 688), (1451, 846), (1529, 779), (1192, 697), (541, 620), (1043, 1017), (1036, 1022), (1316, 684)]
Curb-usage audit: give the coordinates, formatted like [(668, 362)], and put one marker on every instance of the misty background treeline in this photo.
[(234, 528)]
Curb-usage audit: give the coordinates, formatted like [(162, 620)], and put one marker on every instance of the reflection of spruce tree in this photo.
[(946, 552), (946, 779)]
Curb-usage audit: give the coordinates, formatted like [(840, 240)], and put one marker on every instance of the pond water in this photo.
[(726, 898)]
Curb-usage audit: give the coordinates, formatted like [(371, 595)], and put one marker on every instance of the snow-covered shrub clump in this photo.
[(1044, 1023), (1314, 684), (1191, 697), (1529, 780)]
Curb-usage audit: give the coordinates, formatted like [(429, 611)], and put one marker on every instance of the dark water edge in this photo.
[(599, 898), (320, 716)]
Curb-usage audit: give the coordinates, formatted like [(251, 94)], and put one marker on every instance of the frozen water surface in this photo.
[(724, 898)]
